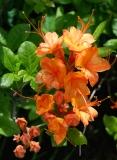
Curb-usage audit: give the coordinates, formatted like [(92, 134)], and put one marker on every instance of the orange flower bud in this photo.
[(34, 146), (22, 123), (34, 131), (25, 139), (19, 151)]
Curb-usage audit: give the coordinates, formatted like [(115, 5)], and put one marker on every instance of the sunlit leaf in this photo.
[(9, 59), (8, 79), (27, 56)]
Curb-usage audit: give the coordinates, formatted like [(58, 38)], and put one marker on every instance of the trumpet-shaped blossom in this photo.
[(90, 63), (76, 40), (75, 83), (52, 45), (52, 73), (58, 127), (83, 109)]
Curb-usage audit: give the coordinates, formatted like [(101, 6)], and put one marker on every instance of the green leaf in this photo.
[(65, 21), (3, 35), (76, 137), (114, 26), (32, 115), (7, 126), (34, 85), (59, 12), (112, 44), (49, 24), (110, 123), (39, 7), (104, 51), (17, 35), (28, 58), (9, 59), (99, 30), (7, 80), (5, 103)]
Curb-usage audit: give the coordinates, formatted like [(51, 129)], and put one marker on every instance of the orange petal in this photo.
[(59, 129), (44, 103)]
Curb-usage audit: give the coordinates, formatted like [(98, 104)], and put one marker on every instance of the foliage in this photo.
[(19, 64)]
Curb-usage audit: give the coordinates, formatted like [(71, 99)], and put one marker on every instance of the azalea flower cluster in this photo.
[(69, 65), (26, 139)]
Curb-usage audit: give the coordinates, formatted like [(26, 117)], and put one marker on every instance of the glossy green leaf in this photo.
[(49, 24), (9, 59), (99, 30), (112, 44), (34, 85), (7, 80), (28, 57), (8, 127), (76, 137), (110, 123), (17, 35)]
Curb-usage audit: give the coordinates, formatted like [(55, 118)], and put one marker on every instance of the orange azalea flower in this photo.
[(58, 127), (44, 103), (90, 63), (52, 45), (52, 73), (76, 40), (83, 108), (75, 83)]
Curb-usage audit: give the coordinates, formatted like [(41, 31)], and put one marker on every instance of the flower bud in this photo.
[(19, 151)]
